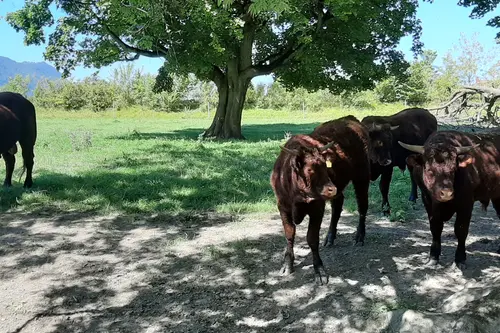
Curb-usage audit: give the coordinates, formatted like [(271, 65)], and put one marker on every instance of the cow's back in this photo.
[(351, 147), (485, 174)]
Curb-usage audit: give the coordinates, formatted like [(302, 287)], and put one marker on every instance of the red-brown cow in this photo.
[(17, 123), (302, 182), (412, 126), (453, 170), (351, 162)]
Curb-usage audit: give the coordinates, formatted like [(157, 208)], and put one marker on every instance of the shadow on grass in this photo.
[(167, 177), (254, 132), (115, 275)]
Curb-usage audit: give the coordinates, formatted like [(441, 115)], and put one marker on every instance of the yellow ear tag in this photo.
[(328, 164)]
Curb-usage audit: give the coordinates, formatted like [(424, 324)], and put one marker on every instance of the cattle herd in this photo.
[(452, 169)]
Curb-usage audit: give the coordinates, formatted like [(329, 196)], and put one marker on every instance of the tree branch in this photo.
[(273, 61), (278, 60), (217, 76), (161, 52), (247, 44), (481, 90)]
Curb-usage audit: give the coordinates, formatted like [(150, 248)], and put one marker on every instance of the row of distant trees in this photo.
[(425, 83)]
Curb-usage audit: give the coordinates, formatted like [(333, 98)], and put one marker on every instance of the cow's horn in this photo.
[(463, 150), (376, 127), (290, 151), (327, 146), (394, 127), (414, 148)]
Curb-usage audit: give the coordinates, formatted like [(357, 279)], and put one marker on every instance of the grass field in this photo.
[(146, 162)]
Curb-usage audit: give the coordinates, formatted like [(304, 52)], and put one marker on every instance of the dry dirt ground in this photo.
[(213, 273)]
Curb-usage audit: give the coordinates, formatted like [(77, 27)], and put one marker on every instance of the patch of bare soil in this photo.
[(213, 273)]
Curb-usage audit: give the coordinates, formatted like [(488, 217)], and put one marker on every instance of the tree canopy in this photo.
[(482, 7), (342, 45)]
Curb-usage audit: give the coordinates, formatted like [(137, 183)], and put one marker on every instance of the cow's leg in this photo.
[(337, 204), (10, 161), (462, 223), (436, 225), (315, 218), (361, 190), (439, 213), (496, 205), (413, 194), (289, 229), (385, 182), (28, 159)]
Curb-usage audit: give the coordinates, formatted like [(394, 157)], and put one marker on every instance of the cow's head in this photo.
[(439, 164), (381, 143), (311, 165)]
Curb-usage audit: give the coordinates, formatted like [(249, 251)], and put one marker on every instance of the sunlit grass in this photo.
[(140, 161)]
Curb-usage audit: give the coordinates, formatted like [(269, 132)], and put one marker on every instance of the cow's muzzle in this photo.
[(444, 195)]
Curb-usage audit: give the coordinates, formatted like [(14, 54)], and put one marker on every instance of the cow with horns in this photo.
[(453, 170), (312, 169), (412, 126)]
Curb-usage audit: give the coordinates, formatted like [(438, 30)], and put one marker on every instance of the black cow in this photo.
[(17, 123), (412, 126)]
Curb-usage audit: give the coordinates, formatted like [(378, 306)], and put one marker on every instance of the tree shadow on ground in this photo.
[(114, 275), (252, 133)]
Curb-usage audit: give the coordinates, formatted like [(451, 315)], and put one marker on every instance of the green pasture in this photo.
[(147, 162)]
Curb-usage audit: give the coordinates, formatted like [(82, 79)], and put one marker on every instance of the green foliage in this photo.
[(73, 95), (335, 45), (100, 95), (390, 90), (48, 93), (447, 80), (17, 84), (481, 8), (420, 76)]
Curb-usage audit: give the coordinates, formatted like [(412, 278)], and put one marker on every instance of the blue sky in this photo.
[(442, 23)]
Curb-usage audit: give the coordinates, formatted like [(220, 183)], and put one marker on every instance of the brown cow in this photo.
[(302, 182), (453, 170), (412, 126), (351, 162), (17, 123)]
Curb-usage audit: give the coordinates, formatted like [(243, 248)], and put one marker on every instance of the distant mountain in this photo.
[(36, 70)]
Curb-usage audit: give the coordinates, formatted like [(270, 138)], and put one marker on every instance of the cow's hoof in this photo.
[(461, 265), (286, 270), (359, 239), (329, 240), (433, 262), (386, 212), (321, 276)]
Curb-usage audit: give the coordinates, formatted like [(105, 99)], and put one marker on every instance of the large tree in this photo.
[(343, 45)]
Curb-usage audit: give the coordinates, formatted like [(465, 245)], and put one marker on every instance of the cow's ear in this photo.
[(464, 160), (414, 160)]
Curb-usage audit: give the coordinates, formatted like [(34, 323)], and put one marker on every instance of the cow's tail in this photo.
[(22, 172)]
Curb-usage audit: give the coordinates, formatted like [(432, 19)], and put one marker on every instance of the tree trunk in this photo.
[(227, 120)]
